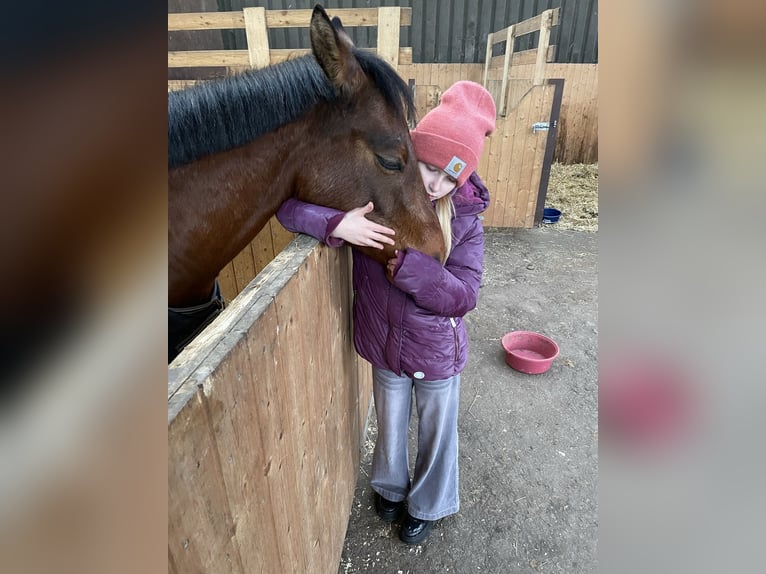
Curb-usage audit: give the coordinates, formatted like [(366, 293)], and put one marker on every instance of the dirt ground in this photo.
[(528, 443)]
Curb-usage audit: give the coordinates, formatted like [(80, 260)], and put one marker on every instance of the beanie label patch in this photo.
[(455, 166)]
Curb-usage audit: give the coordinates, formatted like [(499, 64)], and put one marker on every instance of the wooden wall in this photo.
[(266, 414), (577, 138), (453, 31)]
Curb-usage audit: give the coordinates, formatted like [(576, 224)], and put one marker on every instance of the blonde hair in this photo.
[(445, 211)]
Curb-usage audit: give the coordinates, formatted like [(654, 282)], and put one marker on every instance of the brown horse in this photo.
[(330, 128)]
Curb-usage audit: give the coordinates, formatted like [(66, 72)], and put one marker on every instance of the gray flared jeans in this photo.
[(433, 491)]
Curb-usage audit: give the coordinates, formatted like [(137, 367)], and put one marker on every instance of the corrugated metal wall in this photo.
[(449, 31)]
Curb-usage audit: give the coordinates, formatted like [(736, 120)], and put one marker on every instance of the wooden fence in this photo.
[(266, 414)]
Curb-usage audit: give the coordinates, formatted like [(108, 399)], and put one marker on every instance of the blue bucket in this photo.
[(551, 215)]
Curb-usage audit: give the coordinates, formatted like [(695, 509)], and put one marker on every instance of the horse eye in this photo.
[(389, 164)]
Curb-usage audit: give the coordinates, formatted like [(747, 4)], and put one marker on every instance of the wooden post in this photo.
[(388, 34), (487, 59), (542, 47), (510, 38), (257, 37)]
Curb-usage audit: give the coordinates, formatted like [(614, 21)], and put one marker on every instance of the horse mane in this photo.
[(221, 115), (395, 90)]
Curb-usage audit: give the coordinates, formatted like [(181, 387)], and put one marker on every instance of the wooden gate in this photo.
[(517, 158), (528, 108)]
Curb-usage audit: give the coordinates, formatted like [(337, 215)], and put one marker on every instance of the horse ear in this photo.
[(333, 49)]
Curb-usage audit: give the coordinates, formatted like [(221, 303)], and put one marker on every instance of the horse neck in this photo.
[(238, 191)]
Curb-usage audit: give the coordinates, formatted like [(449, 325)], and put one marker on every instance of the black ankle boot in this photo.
[(388, 510), (414, 530)]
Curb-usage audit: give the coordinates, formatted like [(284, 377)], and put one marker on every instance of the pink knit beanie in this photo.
[(451, 136)]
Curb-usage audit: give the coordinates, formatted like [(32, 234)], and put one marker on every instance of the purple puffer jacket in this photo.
[(414, 326)]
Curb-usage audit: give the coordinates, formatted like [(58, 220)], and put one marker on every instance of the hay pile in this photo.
[(573, 190)]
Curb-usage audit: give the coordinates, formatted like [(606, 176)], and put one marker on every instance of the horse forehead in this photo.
[(371, 104)]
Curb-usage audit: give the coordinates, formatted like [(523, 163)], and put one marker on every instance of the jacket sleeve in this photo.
[(319, 222), (452, 290)]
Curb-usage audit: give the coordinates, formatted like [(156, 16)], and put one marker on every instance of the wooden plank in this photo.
[(323, 455), (423, 76), (257, 37), (530, 56), (263, 249), (509, 38), (421, 99), (544, 114), (581, 94), (490, 169), (444, 77), (349, 16), (472, 72), (280, 237), (192, 58), (182, 84), (534, 24), (532, 144), (265, 408), (487, 59), (388, 34), (542, 47), (509, 169), (407, 73), (200, 522), (228, 282), (457, 73), (512, 168), (217, 58), (522, 58), (206, 21), (236, 401), (244, 267), (495, 162), (500, 35), (293, 411), (277, 19), (529, 150), (588, 117), (591, 148), (575, 122), (282, 55)]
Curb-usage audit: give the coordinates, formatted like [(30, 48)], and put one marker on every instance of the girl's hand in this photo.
[(356, 229)]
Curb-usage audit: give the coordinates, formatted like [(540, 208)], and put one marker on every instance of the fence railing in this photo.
[(539, 56), (257, 21)]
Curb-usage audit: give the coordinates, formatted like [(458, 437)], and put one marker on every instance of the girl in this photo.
[(408, 315)]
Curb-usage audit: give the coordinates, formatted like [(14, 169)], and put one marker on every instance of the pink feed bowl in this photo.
[(529, 352)]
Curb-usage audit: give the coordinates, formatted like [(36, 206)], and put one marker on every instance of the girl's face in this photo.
[(438, 183)]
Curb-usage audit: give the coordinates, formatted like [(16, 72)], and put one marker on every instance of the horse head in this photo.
[(368, 154)]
